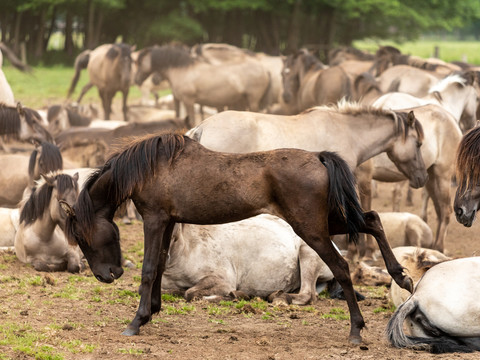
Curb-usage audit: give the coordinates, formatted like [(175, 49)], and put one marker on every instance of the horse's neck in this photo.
[(44, 226), (371, 135)]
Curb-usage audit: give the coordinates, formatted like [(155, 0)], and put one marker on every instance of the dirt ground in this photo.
[(65, 316), (55, 316)]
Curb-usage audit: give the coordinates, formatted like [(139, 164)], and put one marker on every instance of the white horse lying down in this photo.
[(443, 311), (416, 261), (9, 221), (257, 257)]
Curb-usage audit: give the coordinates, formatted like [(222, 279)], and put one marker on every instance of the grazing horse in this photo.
[(21, 123), (19, 172), (172, 179), (442, 313), (467, 196), (307, 82), (109, 69), (238, 85), (40, 240)]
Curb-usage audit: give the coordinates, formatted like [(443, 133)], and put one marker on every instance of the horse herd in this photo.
[(275, 181)]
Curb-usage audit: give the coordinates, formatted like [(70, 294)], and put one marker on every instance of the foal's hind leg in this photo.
[(339, 268)]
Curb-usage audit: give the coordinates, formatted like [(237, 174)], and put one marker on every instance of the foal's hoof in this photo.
[(408, 284), (130, 332), (355, 339)]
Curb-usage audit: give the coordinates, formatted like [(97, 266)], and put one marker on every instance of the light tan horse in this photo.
[(356, 133), (442, 135), (307, 82), (408, 79), (234, 85), (19, 171), (109, 68), (40, 240)]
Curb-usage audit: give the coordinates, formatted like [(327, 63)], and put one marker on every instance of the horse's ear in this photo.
[(75, 177), (67, 208), (411, 118), (20, 110), (470, 77), (50, 180)]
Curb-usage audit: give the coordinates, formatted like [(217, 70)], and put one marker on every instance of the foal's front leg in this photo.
[(373, 226), (154, 229)]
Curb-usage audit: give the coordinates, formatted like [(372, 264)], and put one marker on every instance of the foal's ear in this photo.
[(67, 208), (20, 110), (50, 180), (411, 118), (75, 177)]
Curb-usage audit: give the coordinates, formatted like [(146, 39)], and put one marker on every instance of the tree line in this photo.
[(271, 26)]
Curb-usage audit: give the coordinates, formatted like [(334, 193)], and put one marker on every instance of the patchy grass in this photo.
[(336, 314)]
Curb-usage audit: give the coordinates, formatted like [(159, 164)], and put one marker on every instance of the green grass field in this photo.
[(49, 85), (468, 51)]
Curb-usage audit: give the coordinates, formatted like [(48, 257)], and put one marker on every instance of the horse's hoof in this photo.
[(355, 339), (408, 284), (130, 332)]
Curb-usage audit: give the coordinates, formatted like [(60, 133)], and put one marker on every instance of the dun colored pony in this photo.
[(38, 241), (109, 68), (21, 123), (172, 179), (237, 85), (20, 171), (467, 197), (307, 82)]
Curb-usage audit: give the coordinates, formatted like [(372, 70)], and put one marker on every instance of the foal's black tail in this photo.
[(343, 200), (81, 62)]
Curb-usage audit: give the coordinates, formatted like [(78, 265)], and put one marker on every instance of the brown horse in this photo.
[(307, 82), (467, 197), (109, 67), (172, 178), (236, 85)]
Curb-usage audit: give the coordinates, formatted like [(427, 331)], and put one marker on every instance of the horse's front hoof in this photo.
[(408, 284), (131, 331), (355, 339)]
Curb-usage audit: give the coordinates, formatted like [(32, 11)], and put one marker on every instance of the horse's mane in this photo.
[(309, 61), (39, 200), (447, 81), (126, 170), (9, 121), (356, 109), (166, 56), (50, 159), (468, 160)]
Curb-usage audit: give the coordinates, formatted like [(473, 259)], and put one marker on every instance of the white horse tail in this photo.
[(439, 343), (81, 62)]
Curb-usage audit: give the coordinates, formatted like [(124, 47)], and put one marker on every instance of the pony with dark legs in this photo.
[(467, 196), (172, 178), (109, 67)]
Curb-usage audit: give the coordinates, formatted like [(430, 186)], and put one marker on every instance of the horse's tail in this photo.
[(343, 200), (439, 343), (81, 62)]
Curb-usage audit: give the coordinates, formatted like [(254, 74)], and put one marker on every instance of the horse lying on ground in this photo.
[(416, 261), (40, 240), (442, 313), (173, 179)]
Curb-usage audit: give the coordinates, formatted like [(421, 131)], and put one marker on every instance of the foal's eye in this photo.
[(419, 143)]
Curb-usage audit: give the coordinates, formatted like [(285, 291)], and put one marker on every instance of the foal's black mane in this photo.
[(50, 159), (125, 170), (309, 61), (39, 199)]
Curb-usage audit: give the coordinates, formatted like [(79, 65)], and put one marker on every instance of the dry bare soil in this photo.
[(65, 316)]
